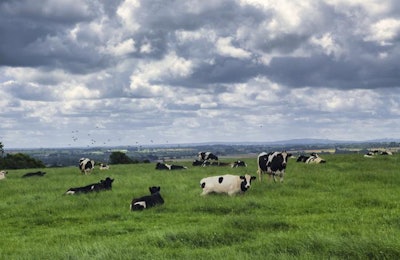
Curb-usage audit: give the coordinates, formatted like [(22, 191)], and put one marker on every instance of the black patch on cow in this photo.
[(276, 163), (32, 174), (178, 167), (161, 166), (89, 165), (220, 179), (302, 158), (263, 162), (203, 185), (243, 184)]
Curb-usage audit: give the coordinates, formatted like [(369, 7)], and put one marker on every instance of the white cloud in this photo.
[(126, 11), (143, 71), (384, 31), (224, 47)]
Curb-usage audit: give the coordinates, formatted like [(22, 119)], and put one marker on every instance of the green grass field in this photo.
[(347, 208)]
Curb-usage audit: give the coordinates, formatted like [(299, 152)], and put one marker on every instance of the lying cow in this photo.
[(33, 174), (197, 163), (102, 185), (203, 156), (86, 165), (230, 184), (164, 166), (3, 174), (273, 164), (371, 154), (238, 164), (104, 166), (148, 201), (313, 158)]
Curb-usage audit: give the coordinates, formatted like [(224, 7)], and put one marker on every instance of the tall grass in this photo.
[(347, 208)]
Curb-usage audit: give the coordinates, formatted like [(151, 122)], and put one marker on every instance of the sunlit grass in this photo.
[(347, 208)]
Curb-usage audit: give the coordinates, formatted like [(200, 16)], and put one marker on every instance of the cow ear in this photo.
[(242, 177), (253, 177)]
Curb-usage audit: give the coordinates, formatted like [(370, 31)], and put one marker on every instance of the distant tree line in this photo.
[(122, 158), (20, 161)]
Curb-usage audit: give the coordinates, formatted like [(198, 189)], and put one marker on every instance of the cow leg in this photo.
[(259, 175)]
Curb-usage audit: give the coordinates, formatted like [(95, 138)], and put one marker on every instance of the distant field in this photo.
[(347, 208)]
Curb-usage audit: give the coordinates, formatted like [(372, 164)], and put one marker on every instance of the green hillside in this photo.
[(347, 208)]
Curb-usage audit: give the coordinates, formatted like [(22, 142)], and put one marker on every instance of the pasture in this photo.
[(348, 208)]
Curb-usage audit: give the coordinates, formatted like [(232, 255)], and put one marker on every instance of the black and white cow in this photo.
[(3, 174), (314, 158), (148, 201), (230, 184), (102, 185), (33, 174), (164, 166), (86, 165), (238, 164), (273, 163), (104, 166), (371, 154), (197, 163), (203, 156)]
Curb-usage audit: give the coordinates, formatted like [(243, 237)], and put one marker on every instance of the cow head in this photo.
[(107, 183), (284, 156), (246, 182), (154, 189)]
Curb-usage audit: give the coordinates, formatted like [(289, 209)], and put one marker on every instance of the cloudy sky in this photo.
[(136, 72)]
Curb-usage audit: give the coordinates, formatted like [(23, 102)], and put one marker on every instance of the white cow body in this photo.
[(3, 174), (104, 166), (230, 184), (314, 158)]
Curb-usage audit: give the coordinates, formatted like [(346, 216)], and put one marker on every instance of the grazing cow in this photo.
[(32, 174), (104, 166), (238, 164), (86, 165), (203, 156), (313, 158), (102, 185), (230, 184), (273, 163), (164, 166), (3, 174), (148, 201)]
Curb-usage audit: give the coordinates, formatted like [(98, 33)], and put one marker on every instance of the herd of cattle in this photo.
[(272, 164)]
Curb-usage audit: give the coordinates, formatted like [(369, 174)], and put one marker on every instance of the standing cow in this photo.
[(230, 184), (273, 163), (86, 165)]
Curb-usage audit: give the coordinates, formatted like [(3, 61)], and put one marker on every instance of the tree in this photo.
[(120, 158), (20, 161), (1, 149)]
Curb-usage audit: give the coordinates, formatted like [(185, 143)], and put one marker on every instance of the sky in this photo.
[(84, 73)]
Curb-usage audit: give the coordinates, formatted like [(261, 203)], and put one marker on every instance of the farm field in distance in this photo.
[(347, 208)]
